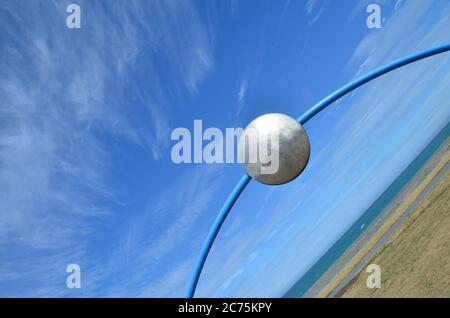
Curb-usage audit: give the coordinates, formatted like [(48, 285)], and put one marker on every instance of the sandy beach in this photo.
[(425, 205)]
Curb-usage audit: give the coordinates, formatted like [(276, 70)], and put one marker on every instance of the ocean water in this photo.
[(352, 234)]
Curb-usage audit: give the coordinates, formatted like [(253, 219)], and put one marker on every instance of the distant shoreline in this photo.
[(354, 239), (349, 271)]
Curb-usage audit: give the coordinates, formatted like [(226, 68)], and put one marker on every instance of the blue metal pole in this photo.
[(215, 230), (220, 219), (368, 77)]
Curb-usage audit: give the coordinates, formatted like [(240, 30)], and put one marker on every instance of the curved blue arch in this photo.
[(220, 219)]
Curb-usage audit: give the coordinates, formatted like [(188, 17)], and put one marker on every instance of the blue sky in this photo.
[(86, 115)]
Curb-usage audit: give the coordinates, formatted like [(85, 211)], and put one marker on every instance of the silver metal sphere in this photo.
[(287, 143)]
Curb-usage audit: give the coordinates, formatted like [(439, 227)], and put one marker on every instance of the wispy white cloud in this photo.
[(57, 111), (241, 95), (242, 90), (310, 5), (146, 250), (314, 10)]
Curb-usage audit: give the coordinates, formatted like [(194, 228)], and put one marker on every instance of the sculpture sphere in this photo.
[(274, 149)]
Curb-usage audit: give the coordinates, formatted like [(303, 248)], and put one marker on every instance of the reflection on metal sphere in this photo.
[(274, 149)]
